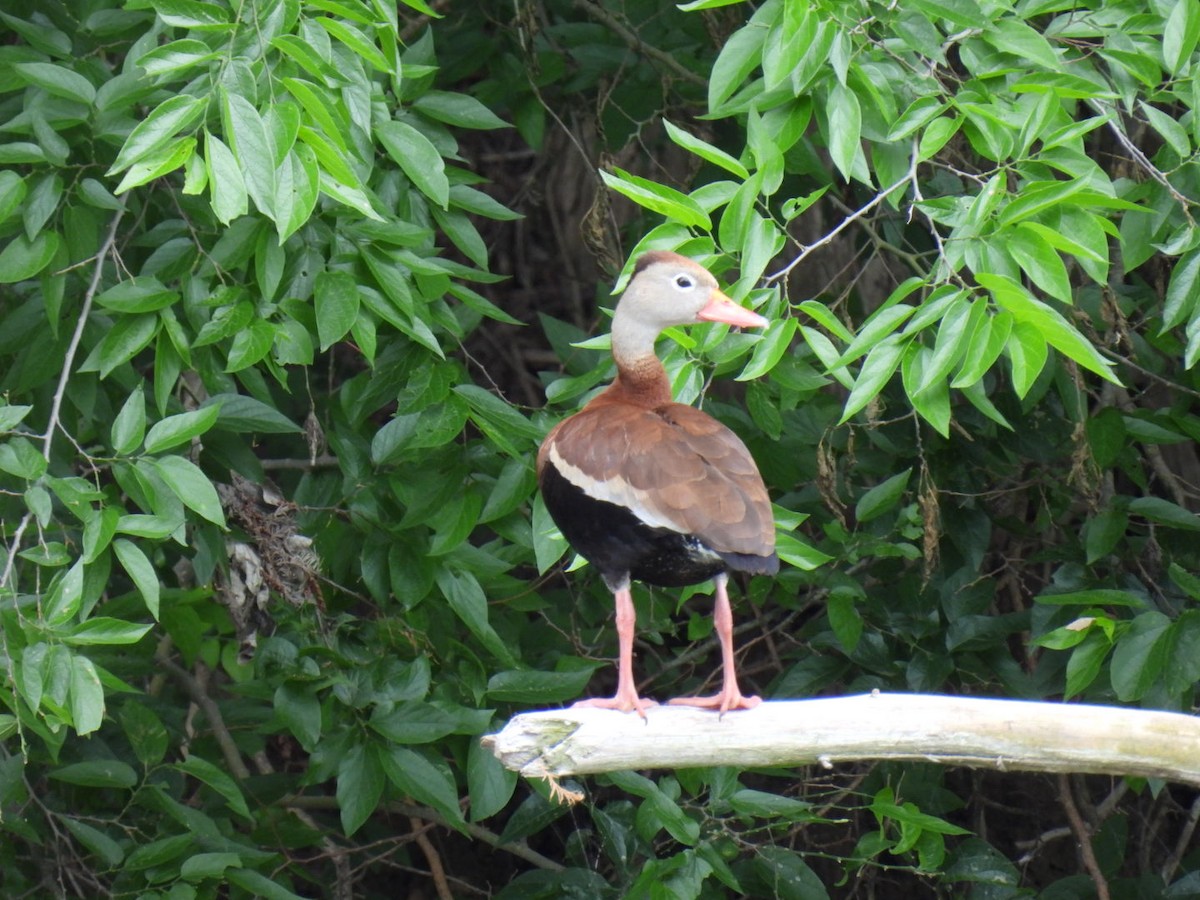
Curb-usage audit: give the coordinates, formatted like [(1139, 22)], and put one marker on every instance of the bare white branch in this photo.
[(967, 731)]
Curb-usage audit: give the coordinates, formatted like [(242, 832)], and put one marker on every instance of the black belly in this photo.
[(622, 546)]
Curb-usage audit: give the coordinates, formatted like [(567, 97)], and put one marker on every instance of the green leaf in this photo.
[(140, 294), (1169, 129), (202, 16), (204, 771), (1039, 261), (256, 884), (961, 13), (98, 532), (658, 198), (201, 866), (740, 55), (414, 722), (799, 554), (845, 131), (844, 619), (416, 777), (140, 570), (86, 696), (226, 184), (23, 258), (1164, 512), (155, 853), (548, 543), (1094, 597), (705, 150), (418, 158), (336, 300), (357, 42), (936, 135), (50, 554), (769, 350), (473, 201), (159, 162), (920, 112), (298, 183), (956, 330), (101, 773), (882, 497), (877, 368), (176, 56), (1056, 330), (65, 596), (1183, 291), (154, 132), (191, 486), (12, 192), (489, 784), (764, 805), (128, 337), (1139, 656), (57, 80), (107, 850), (298, 707), (501, 422), (104, 631), (462, 110), (252, 148), (1024, 42), (244, 414), (537, 688), (1180, 34), (146, 733), (466, 598), (360, 781), (250, 345), (880, 325), (664, 812), (1028, 353), (1182, 667), (1102, 533), (181, 428)]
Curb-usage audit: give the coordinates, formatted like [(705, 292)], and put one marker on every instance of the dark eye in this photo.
[(683, 281)]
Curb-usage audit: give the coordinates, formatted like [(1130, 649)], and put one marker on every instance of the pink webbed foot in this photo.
[(624, 702), (722, 702)]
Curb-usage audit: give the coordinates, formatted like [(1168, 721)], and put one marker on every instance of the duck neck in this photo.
[(641, 377)]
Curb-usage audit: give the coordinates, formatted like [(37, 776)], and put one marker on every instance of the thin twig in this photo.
[(1112, 120), (516, 848), (320, 462), (212, 713), (841, 226), (1183, 844), (73, 346), (436, 870), (637, 44), (1083, 836)]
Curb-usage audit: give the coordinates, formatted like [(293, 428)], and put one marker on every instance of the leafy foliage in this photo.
[(247, 244)]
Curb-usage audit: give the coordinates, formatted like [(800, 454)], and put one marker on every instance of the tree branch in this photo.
[(77, 335), (636, 44), (1083, 835), (967, 731), (843, 225)]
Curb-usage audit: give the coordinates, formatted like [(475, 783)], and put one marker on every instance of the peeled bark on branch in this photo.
[(966, 731)]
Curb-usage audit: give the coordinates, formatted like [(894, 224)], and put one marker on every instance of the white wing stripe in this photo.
[(613, 490)]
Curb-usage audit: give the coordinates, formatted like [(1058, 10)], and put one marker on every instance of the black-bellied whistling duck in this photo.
[(648, 489)]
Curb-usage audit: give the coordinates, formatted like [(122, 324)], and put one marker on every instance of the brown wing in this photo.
[(674, 467)]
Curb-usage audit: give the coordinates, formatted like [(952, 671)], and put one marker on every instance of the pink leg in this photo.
[(730, 696), (626, 697)]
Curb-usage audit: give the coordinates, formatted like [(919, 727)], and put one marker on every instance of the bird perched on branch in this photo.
[(651, 490)]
